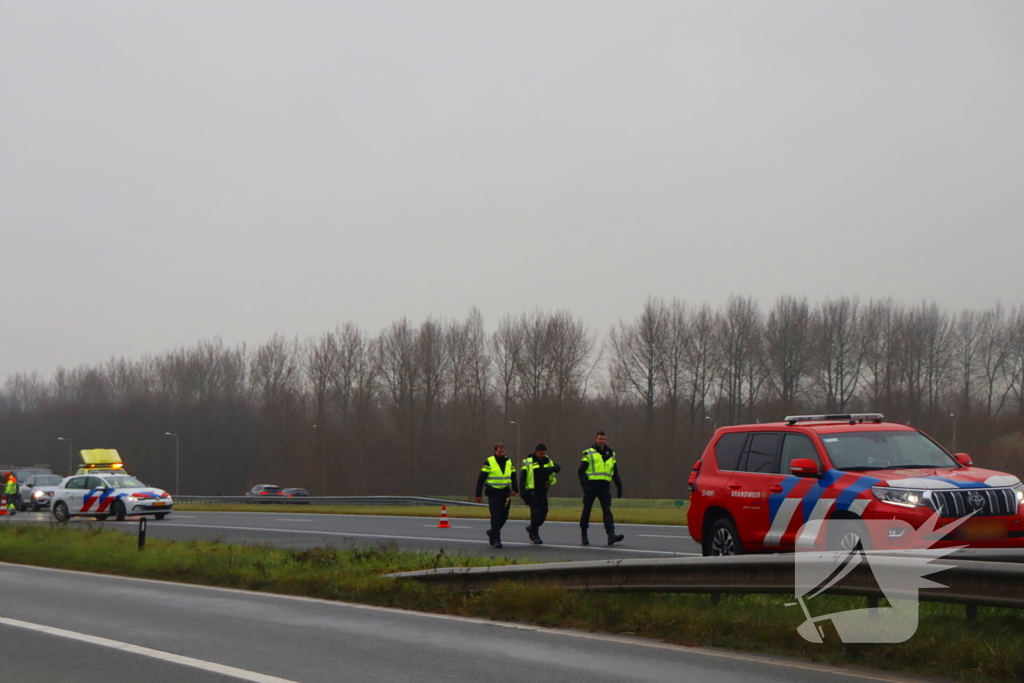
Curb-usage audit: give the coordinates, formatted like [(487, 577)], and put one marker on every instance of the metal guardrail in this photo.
[(970, 582), (327, 500)]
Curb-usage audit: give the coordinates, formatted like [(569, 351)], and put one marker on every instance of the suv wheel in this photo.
[(722, 539), (60, 512), (846, 535)]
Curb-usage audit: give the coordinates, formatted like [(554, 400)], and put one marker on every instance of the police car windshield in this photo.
[(854, 451), (123, 482)]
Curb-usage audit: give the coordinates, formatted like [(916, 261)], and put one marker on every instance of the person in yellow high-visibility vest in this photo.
[(10, 489), (597, 471), (499, 476), (536, 477)]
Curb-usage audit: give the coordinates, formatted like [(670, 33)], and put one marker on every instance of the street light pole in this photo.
[(177, 463), (70, 448), (953, 415), (519, 458)]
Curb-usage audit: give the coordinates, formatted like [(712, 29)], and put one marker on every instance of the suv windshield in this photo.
[(47, 480), (884, 451), (123, 482)]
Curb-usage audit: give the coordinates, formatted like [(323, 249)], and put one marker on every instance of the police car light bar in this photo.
[(846, 417)]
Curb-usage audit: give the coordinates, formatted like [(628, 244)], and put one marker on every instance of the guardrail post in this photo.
[(972, 613), (142, 534), (872, 602), (716, 598)]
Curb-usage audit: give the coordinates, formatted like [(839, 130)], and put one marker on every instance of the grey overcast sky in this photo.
[(183, 170)]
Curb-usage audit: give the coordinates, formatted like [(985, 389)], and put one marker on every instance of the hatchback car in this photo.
[(101, 496), (756, 486), (36, 492)]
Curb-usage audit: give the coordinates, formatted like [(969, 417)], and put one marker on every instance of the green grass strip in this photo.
[(627, 511), (992, 649)]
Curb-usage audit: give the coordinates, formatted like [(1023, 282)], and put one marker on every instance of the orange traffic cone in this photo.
[(444, 518), (3, 505)]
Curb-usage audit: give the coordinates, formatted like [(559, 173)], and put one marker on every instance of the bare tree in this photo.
[(788, 345), (838, 351), (742, 364), (638, 356)]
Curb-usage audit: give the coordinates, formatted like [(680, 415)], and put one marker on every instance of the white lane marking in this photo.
[(625, 640), (181, 516), (289, 519), (212, 667), (686, 538), (385, 537), (434, 526)]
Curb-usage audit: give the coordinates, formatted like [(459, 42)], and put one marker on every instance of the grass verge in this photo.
[(627, 511), (990, 650)]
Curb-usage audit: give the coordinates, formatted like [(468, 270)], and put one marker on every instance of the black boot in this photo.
[(536, 538), (614, 538), (585, 540), (531, 533), (497, 541), (490, 537)]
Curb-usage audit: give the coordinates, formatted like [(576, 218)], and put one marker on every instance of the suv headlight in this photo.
[(39, 494), (1019, 490), (908, 498)]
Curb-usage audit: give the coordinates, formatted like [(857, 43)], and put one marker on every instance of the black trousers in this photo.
[(538, 501), (499, 505), (602, 491)]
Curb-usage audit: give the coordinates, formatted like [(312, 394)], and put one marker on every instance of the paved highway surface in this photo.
[(71, 626), (296, 530)]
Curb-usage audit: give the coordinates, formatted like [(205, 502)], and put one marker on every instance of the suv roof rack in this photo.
[(852, 418)]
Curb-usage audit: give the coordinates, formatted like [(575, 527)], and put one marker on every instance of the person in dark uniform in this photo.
[(597, 472), (498, 474), (536, 477)]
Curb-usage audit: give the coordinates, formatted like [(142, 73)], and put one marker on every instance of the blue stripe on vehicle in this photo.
[(814, 494), (845, 499), (962, 484), (775, 500)]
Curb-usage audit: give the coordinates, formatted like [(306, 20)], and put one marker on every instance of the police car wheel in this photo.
[(722, 539), (119, 510), (60, 512)]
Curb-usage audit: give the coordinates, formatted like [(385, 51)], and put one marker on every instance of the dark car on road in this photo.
[(296, 493)]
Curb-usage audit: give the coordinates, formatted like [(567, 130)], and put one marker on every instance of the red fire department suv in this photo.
[(757, 485)]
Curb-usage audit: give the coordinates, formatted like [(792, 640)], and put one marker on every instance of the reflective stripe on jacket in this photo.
[(598, 467), (496, 478), (530, 466)]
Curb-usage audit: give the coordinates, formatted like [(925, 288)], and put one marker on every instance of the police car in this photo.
[(756, 486), (103, 495)]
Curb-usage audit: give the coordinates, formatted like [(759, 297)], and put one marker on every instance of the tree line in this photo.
[(416, 407)]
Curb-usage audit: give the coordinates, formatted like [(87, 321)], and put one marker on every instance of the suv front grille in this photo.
[(994, 502)]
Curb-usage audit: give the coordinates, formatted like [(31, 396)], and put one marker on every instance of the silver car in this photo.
[(36, 492)]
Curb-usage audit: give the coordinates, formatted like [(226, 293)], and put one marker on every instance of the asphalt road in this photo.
[(296, 530), (158, 631)]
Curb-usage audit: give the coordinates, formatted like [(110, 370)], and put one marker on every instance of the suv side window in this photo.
[(761, 453), (728, 450), (76, 483), (797, 446)]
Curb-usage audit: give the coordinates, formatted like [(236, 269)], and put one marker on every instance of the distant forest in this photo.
[(415, 408)]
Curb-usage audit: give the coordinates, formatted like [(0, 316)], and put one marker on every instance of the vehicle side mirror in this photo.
[(29, 485), (804, 467), (964, 459)]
